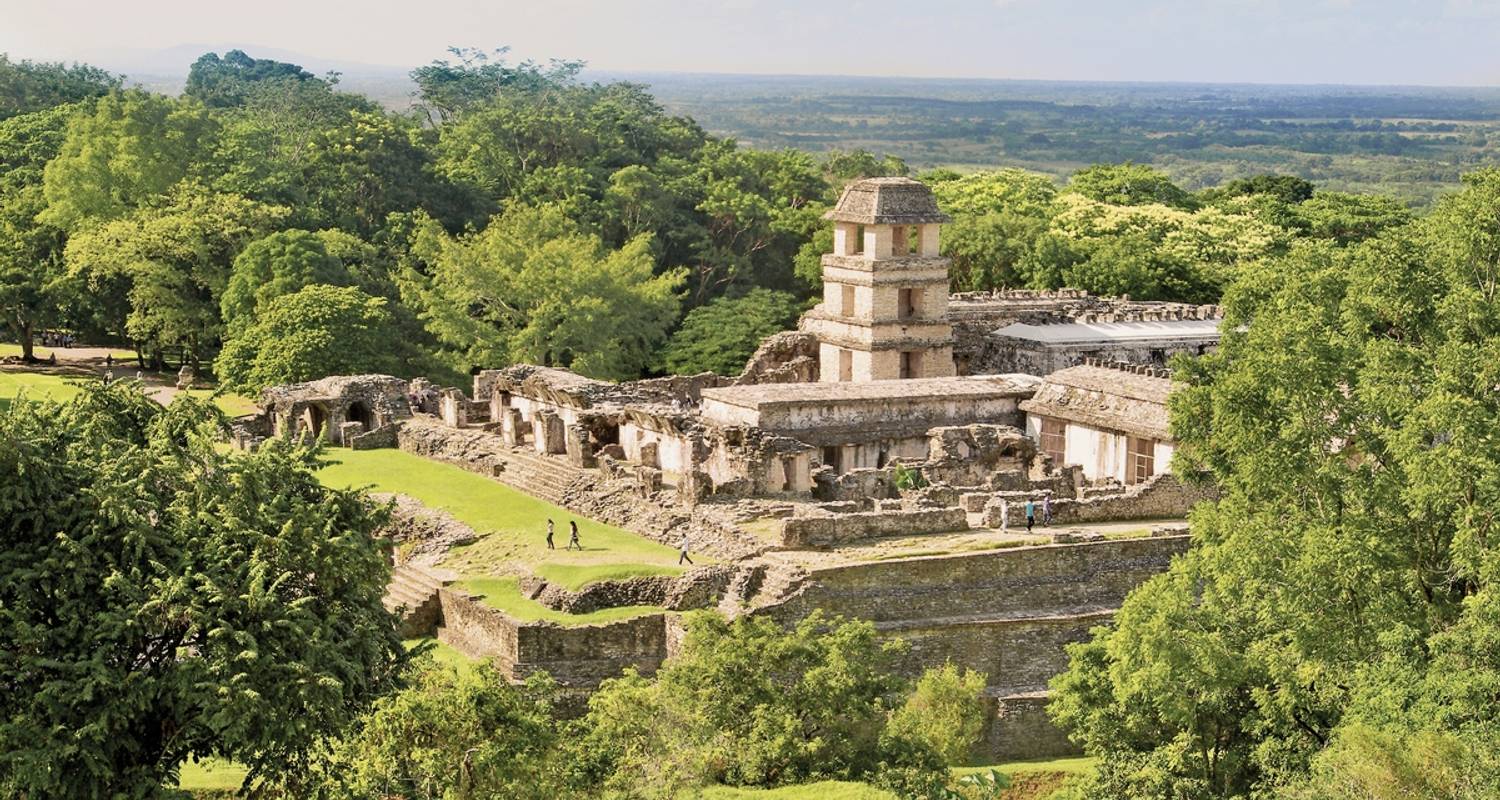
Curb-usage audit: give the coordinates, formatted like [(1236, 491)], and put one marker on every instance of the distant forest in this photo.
[(1412, 142)]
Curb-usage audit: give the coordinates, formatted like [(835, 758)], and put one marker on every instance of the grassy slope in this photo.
[(513, 529), (211, 773)]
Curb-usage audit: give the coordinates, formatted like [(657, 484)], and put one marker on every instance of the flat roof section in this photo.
[(765, 395), (1089, 332)]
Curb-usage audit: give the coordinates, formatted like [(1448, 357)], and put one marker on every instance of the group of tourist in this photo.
[(682, 544), (1031, 509)]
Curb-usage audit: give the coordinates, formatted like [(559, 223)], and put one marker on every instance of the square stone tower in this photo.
[(884, 313)]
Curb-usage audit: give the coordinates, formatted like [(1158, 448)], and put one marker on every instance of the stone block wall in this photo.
[(579, 656), (1164, 496), (1017, 654), (1024, 581), (832, 529), (1018, 729)]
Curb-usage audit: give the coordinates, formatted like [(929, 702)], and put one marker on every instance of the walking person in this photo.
[(550, 546), (682, 551), (1047, 510), (1030, 514), (573, 536)]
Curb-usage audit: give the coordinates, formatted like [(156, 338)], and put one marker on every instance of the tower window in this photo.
[(846, 365), (911, 364), (909, 303), (847, 304)]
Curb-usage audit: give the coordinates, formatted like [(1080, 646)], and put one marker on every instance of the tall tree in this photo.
[(163, 600), (1350, 417), (31, 252), (227, 82), (27, 86), (275, 265), (125, 153), (535, 287), (317, 331)]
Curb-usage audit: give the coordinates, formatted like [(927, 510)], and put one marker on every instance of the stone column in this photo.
[(453, 409)]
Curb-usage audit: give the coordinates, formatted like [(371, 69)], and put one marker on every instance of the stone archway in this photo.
[(361, 413), (317, 420)]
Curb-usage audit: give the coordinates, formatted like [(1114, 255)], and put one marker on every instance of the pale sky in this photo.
[(1453, 42)]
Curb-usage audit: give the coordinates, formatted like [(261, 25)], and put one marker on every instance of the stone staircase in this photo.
[(413, 593), (543, 476), (759, 583)]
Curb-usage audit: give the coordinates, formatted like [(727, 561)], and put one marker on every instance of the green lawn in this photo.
[(444, 655), (8, 349), (37, 386), (504, 593), (823, 790), (62, 388), (211, 773), (577, 576), (233, 405), (512, 524)]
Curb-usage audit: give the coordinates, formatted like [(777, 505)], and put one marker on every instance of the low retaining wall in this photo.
[(1045, 580), (823, 531), (578, 656), (1163, 497), (697, 588)]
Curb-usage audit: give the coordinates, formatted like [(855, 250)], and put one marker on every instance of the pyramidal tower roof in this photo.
[(887, 201)]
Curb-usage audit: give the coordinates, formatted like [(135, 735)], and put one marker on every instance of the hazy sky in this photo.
[(1293, 41)]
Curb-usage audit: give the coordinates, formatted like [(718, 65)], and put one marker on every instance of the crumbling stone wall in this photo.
[(1017, 728), (1162, 496), (786, 357), (697, 588), (580, 656), (826, 530)]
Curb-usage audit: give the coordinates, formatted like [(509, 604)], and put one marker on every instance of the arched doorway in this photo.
[(361, 413)]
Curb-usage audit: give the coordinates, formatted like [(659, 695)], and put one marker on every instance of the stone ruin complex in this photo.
[(883, 418)]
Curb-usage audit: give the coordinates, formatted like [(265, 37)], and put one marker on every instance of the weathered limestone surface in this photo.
[(1045, 581), (423, 535), (1162, 496), (825, 530), (1018, 729), (698, 588), (580, 656)]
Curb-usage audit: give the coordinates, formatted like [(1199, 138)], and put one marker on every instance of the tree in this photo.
[(30, 86), (30, 251), (125, 153), (721, 336), (1011, 190), (312, 333), (1288, 189), (447, 89), (1128, 185), (1349, 218), (451, 735), (276, 265), (172, 264), (944, 712), (227, 82), (164, 600), (1344, 581), (746, 703), (534, 287)]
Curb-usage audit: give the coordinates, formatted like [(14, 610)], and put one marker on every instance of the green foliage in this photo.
[(447, 89), (316, 331), (275, 265), (747, 703), (171, 265), (721, 336), (30, 86), (1344, 578), (1288, 189), (227, 82), (452, 735), (31, 262), (126, 152), (944, 712), (908, 478), (1128, 185), (1349, 218), (163, 600), (535, 287)]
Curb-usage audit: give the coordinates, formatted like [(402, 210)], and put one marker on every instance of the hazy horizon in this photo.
[(1447, 43)]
